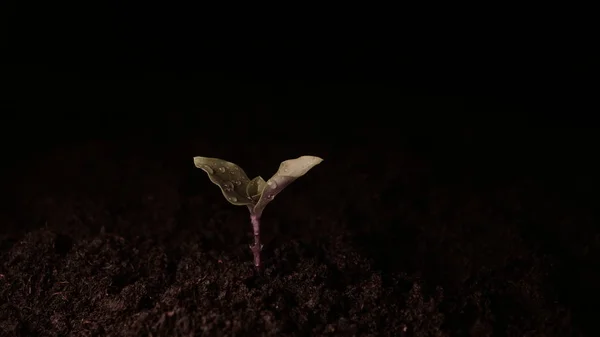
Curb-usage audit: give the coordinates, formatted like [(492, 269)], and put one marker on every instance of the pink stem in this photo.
[(257, 246)]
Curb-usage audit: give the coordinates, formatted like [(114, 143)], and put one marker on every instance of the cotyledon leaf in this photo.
[(289, 171), (232, 180)]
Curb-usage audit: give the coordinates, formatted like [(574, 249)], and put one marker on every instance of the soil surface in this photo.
[(425, 238)]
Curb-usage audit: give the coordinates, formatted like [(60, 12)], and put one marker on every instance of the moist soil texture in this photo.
[(125, 237)]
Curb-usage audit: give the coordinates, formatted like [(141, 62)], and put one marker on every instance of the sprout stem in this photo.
[(257, 247)]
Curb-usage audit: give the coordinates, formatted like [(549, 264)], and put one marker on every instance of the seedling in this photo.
[(256, 194)]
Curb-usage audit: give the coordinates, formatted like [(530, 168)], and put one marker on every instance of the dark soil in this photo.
[(128, 238)]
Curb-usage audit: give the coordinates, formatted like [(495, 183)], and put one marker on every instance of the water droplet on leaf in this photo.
[(272, 183), (270, 196), (234, 199), (222, 169), (237, 182), (227, 186)]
